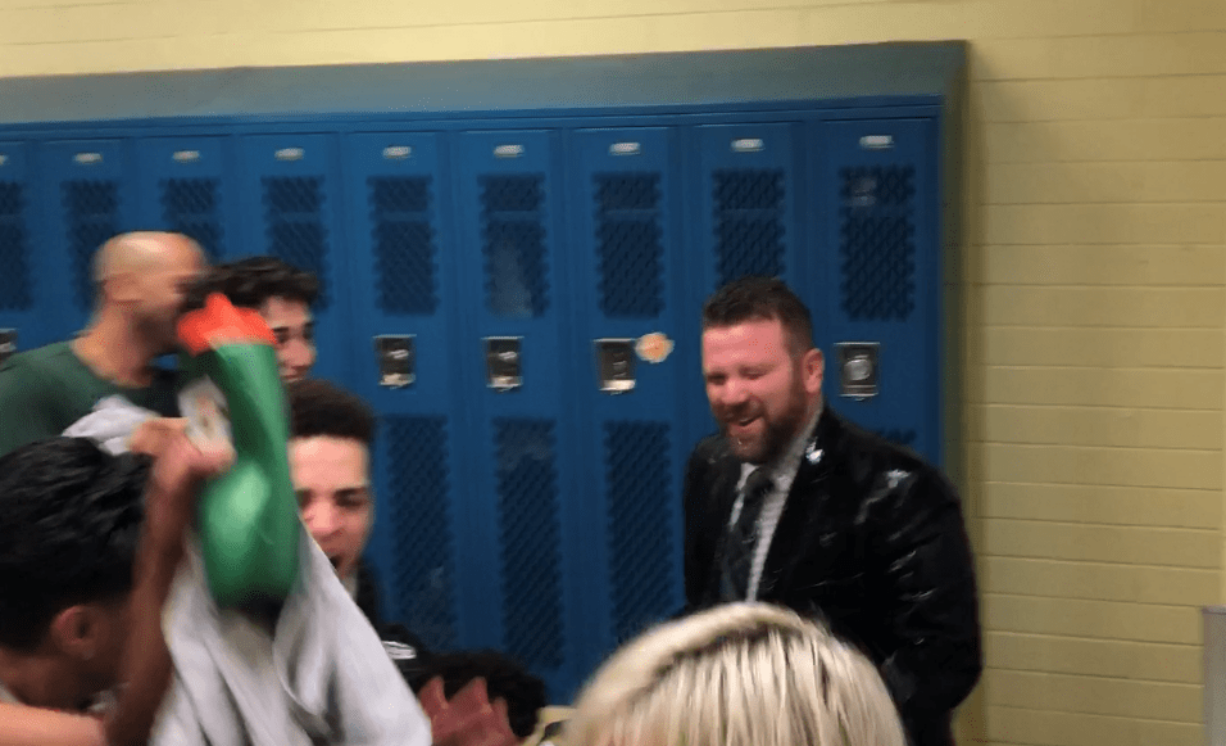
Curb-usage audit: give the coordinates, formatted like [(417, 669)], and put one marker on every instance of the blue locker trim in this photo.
[(730, 80)]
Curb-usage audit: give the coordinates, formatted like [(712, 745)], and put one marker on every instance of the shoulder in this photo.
[(710, 451), (40, 358), (882, 465)]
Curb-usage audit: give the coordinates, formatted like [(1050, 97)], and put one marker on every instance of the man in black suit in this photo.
[(793, 505)]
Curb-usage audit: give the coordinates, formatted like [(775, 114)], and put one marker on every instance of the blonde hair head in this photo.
[(737, 675)]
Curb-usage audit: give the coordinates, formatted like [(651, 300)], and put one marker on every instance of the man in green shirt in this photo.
[(141, 281)]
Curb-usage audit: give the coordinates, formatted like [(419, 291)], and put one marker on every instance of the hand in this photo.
[(177, 470), (152, 435), (468, 719)]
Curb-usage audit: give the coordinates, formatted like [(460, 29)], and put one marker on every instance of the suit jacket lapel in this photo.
[(801, 512)]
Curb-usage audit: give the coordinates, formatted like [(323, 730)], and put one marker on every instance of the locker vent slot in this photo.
[(15, 292), (749, 213), (530, 535), (423, 545), (92, 211), (191, 207), (404, 242), (513, 241), (901, 436), (629, 245), (294, 226), (877, 243), (640, 516)]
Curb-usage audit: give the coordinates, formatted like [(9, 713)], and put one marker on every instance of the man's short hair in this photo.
[(70, 517), (504, 678), (320, 408), (250, 282), (760, 299)]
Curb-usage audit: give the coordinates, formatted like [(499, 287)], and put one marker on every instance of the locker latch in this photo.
[(8, 343), (397, 358), (615, 365), (504, 363), (859, 368)]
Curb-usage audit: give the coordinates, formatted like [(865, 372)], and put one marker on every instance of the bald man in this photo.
[(140, 279)]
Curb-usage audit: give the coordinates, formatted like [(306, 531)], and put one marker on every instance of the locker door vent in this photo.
[(530, 536), (423, 548), (877, 243), (749, 213), (15, 292), (404, 243), (639, 504), (513, 241), (92, 211), (901, 436), (293, 214), (191, 207), (629, 245)]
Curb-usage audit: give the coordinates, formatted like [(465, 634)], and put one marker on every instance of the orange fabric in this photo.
[(220, 323)]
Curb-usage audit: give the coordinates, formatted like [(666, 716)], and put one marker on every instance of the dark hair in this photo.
[(504, 677), (318, 407), (249, 282), (70, 517), (756, 298)]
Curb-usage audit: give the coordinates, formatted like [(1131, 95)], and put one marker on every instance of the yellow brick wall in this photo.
[(1096, 219)]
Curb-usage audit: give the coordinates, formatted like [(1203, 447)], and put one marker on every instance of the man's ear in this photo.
[(121, 287), (812, 366), (75, 631)]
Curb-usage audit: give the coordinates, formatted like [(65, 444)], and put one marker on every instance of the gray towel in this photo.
[(322, 677)]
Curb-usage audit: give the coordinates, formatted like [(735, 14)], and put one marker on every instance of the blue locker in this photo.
[(628, 298), (882, 261), (90, 198), (515, 290), (290, 210), (186, 186), (403, 283), (748, 195), (28, 297)]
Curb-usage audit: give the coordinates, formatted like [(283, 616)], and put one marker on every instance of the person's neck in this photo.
[(39, 681), (116, 352)]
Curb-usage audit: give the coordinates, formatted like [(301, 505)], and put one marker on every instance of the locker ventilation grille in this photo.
[(14, 261), (293, 213), (423, 547), (191, 207), (877, 243), (404, 242), (640, 499), (749, 212), (530, 534), (91, 208), (903, 437), (513, 240), (628, 240)]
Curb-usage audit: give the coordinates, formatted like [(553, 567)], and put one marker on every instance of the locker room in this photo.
[(513, 255)]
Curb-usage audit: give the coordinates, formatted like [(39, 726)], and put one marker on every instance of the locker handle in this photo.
[(3, 159), (625, 148), (186, 156), (508, 151), (397, 152), (87, 159), (289, 154), (748, 145)]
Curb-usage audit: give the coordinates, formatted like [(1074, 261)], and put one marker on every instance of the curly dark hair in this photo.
[(318, 407), (755, 298), (504, 678), (70, 517), (249, 282)]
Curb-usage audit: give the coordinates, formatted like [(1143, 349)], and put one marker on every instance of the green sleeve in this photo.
[(27, 411)]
